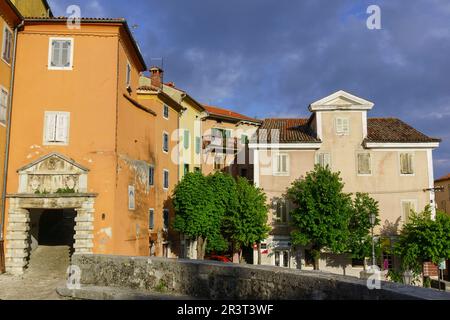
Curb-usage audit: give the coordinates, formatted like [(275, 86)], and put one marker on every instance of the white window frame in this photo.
[(57, 143), (165, 133), (150, 211), (413, 201), (413, 161), (316, 158), (165, 106), (128, 75), (370, 164), (275, 159), (2, 88), (6, 27), (168, 179), (50, 67), (342, 133)]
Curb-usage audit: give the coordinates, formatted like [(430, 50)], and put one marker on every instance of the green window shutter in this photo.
[(186, 139), (197, 145)]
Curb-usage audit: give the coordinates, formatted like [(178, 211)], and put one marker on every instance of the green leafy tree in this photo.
[(360, 239), (424, 239), (194, 209), (247, 223), (224, 203), (322, 212)]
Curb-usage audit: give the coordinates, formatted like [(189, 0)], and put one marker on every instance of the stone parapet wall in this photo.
[(214, 280)]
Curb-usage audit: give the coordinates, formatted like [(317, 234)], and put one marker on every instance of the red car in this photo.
[(219, 258)]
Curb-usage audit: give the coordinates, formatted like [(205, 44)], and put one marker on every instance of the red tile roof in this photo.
[(443, 178), (290, 130), (394, 130), (220, 112), (378, 130)]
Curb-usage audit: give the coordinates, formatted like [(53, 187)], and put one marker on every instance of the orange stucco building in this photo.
[(10, 18), (81, 144)]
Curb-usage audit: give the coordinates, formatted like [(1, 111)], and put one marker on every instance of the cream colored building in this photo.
[(443, 196), (384, 157)]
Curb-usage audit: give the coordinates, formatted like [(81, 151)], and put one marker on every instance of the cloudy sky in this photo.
[(271, 58)]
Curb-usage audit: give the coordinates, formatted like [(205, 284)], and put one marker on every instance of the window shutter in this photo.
[(50, 129), (284, 163), (56, 52), (364, 163), (186, 139), (3, 105), (326, 159), (339, 125), (61, 127), (279, 163), (407, 210), (402, 163), (65, 53), (197, 145), (345, 125), (410, 164)]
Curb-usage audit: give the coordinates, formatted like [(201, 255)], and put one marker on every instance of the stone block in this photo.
[(86, 227), (16, 235)]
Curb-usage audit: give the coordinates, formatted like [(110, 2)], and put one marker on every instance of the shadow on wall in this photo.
[(390, 228)]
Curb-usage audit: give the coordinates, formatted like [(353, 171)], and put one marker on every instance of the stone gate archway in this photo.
[(51, 182)]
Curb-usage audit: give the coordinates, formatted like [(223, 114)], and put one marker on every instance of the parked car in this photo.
[(216, 257)]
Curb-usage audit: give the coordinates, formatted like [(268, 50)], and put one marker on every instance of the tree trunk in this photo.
[(259, 252), (204, 248), (201, 245), (316, 254)]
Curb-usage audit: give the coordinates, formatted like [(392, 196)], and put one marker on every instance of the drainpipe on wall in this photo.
[(8, 129)]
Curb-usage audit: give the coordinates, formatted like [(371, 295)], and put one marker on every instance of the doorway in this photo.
[(52, 240)]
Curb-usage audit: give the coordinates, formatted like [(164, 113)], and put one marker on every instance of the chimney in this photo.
[(156, 77)]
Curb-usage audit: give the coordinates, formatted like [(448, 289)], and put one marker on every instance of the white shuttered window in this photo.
[(342, 126), (7, 44), (56, 127), (406, 163), (323, 159), (281, 164), (3, 105), (364, 163), (61, 56), (408, 207)]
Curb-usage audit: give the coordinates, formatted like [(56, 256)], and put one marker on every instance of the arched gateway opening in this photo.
[(51, 217)]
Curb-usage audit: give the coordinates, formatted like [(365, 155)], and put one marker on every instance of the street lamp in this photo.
[(372, 218)]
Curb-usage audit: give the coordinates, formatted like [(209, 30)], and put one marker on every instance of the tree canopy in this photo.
[(247, 224), (424, 239), (322, 212)]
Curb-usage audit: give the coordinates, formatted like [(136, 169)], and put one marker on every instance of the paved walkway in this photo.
[(46, 270)]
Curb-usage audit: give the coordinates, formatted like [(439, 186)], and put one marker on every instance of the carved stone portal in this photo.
[(52, 182)]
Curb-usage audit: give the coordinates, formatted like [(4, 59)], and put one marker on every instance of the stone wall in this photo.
[(215, 280)]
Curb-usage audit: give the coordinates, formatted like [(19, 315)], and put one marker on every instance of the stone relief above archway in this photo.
[(53, 173)]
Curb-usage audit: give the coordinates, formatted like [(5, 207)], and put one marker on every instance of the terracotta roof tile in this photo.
[(378, 130), (394, 130), (215, 111), (290, 130)]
